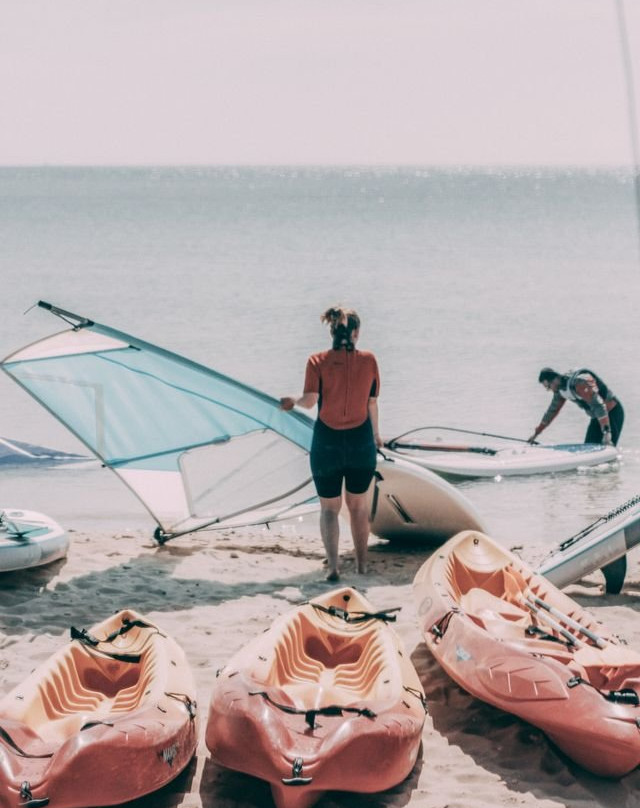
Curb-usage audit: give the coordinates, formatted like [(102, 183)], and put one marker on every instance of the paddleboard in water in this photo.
[(409, 502), (29, 539), (491, 456), (602, 545)]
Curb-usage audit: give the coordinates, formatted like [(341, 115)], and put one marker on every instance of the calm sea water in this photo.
[(467, 282)]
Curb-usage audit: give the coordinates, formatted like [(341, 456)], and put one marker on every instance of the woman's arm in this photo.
[(306, 400), (372, 406)]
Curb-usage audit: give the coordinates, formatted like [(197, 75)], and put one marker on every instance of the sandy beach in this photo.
[(213, 592)]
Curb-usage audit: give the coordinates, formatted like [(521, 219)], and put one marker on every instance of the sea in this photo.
[(467, 280)]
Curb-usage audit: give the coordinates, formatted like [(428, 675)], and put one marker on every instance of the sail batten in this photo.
[(195, 446)]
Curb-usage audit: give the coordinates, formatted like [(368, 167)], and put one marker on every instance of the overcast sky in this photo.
[(315, 81)]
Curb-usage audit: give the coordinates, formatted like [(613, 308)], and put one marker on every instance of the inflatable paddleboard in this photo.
[(495, 457), (602, 545), (409, 502), (29, 539)]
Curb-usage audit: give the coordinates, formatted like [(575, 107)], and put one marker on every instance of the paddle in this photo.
[(463, 431), (599, 641), (399, 443), (569, 637), (518, 588), (438, 447)]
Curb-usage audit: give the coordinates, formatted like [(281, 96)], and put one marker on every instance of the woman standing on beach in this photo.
[(345, 384)]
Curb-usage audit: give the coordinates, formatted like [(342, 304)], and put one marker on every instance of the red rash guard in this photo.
[(345, 381)]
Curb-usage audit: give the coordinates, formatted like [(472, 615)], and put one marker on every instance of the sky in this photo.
[(211, 82)]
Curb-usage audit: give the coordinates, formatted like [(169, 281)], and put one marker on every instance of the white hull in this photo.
[(411, 502), (29, 539), (513, 459), (603, 545), (406, 502)]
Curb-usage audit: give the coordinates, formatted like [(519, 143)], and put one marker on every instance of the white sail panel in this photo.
[(195, 446), (58, 345)]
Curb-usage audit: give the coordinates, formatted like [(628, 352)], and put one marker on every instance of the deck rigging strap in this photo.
[(418, 694), (85, 638), (439, 628), (311, 715), (190, 705), (626, 695), (358, 617)]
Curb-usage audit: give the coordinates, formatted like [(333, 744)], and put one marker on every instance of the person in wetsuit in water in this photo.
[(591, 394), (345, 383)]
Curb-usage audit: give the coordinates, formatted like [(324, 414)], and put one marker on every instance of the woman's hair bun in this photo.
[(342, 323)]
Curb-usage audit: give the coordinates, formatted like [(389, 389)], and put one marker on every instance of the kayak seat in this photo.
[(500, 617), (348, 667), (85, 687), (473, 563)]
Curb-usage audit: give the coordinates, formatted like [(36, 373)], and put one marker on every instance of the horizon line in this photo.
[(337, 165)]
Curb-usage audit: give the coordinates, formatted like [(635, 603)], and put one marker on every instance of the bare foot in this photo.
[(362, 569)]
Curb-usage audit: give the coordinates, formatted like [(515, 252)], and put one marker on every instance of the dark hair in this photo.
[(342, 323), (548, 375)]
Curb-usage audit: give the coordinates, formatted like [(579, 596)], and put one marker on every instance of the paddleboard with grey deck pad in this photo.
[(442, 450), (603, 545)]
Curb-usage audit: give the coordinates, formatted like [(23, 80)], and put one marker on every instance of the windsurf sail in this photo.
[(14, 452), (198, 448)]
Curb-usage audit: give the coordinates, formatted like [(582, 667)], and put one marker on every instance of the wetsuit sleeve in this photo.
[(557, 403), (311, 378)]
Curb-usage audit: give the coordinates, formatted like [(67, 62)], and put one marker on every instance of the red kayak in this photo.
[(326, 699), (509, 637), (108, 718)]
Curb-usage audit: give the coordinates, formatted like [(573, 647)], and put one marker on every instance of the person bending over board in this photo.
[(345, 384), (592, 395), (606, 414)]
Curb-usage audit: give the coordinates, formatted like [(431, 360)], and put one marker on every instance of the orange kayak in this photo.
[(326, 699), (509, 637), (108, 718)]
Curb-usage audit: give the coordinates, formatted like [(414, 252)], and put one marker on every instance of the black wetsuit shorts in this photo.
[(339, 455)]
